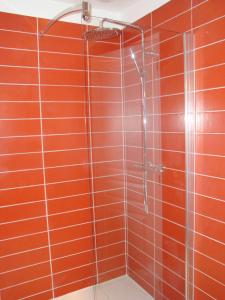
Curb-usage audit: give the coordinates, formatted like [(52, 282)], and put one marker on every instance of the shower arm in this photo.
[(143, 103), (83, 8)]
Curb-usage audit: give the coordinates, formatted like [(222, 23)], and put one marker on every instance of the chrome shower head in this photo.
[(101, 34)]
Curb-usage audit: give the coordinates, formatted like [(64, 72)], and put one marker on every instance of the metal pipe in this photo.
[(66, 12), (143, 102)]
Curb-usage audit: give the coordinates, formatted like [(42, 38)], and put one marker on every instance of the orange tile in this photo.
[(67, 173), (209, 33), (72, 247), (19, 127), (106, 109), (109, 238), (20, 179), (205, 57), (68, 204), (170, 194), (19, 110), (104, 64), (171, 66), (18, 75), (172, 141), (27, 289), (65, 142), (26, 211), (54, 110), (70, 218), (63, 28), (172, 85), (105, 94), (67, 188), (133, 108), (24, 259), (111, 250), (105, 139), (104, 49), (171, 262), (169, 10), (70, 157), (105, 79), (170, 278), (71, 233), (25, 243), (108, 154), (111, 182), (106, 124), (62, 77), (207, 12), (20, 162), (18, 57), (58, 44), (170, 229), (211, 187), (209, 286), (20, 145), (62, 93), (77, 274), (210, 99), (209, 247), (109, 211), (168, 291), (59, 60), (169, 212), (144, 284), (210, 165), (131, 77), (73, 261), (209, 227), (74, 286), (108, 197), (210, 78), (18, 40), (169, 245), (111, 264), (17, 22), (12, 230), (112, 274), (142, 244), (199, 294), (52, 126), (22, 195), (142, 273), (209, 267), (174, 178), (170, 47), (140, 257), (173, 160), (20, 93)]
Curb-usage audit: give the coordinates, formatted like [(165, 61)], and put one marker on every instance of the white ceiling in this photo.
[(125, 10)]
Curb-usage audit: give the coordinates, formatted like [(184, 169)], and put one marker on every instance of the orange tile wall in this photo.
[(48, 223), (52, 158), (156, 257)]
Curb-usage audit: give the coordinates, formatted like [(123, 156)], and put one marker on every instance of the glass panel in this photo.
[(145, 243)]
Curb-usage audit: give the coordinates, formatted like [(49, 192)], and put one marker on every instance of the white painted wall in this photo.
[(124, 10)]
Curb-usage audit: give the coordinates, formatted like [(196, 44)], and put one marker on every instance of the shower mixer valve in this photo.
[(151, 167)]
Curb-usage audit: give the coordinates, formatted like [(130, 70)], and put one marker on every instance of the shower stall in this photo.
[(140, 124), (112, 153)]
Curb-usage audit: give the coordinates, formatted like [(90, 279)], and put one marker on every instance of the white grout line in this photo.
[(43, 163)]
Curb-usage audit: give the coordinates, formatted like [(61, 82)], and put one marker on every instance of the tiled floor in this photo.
[(121, 288)]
